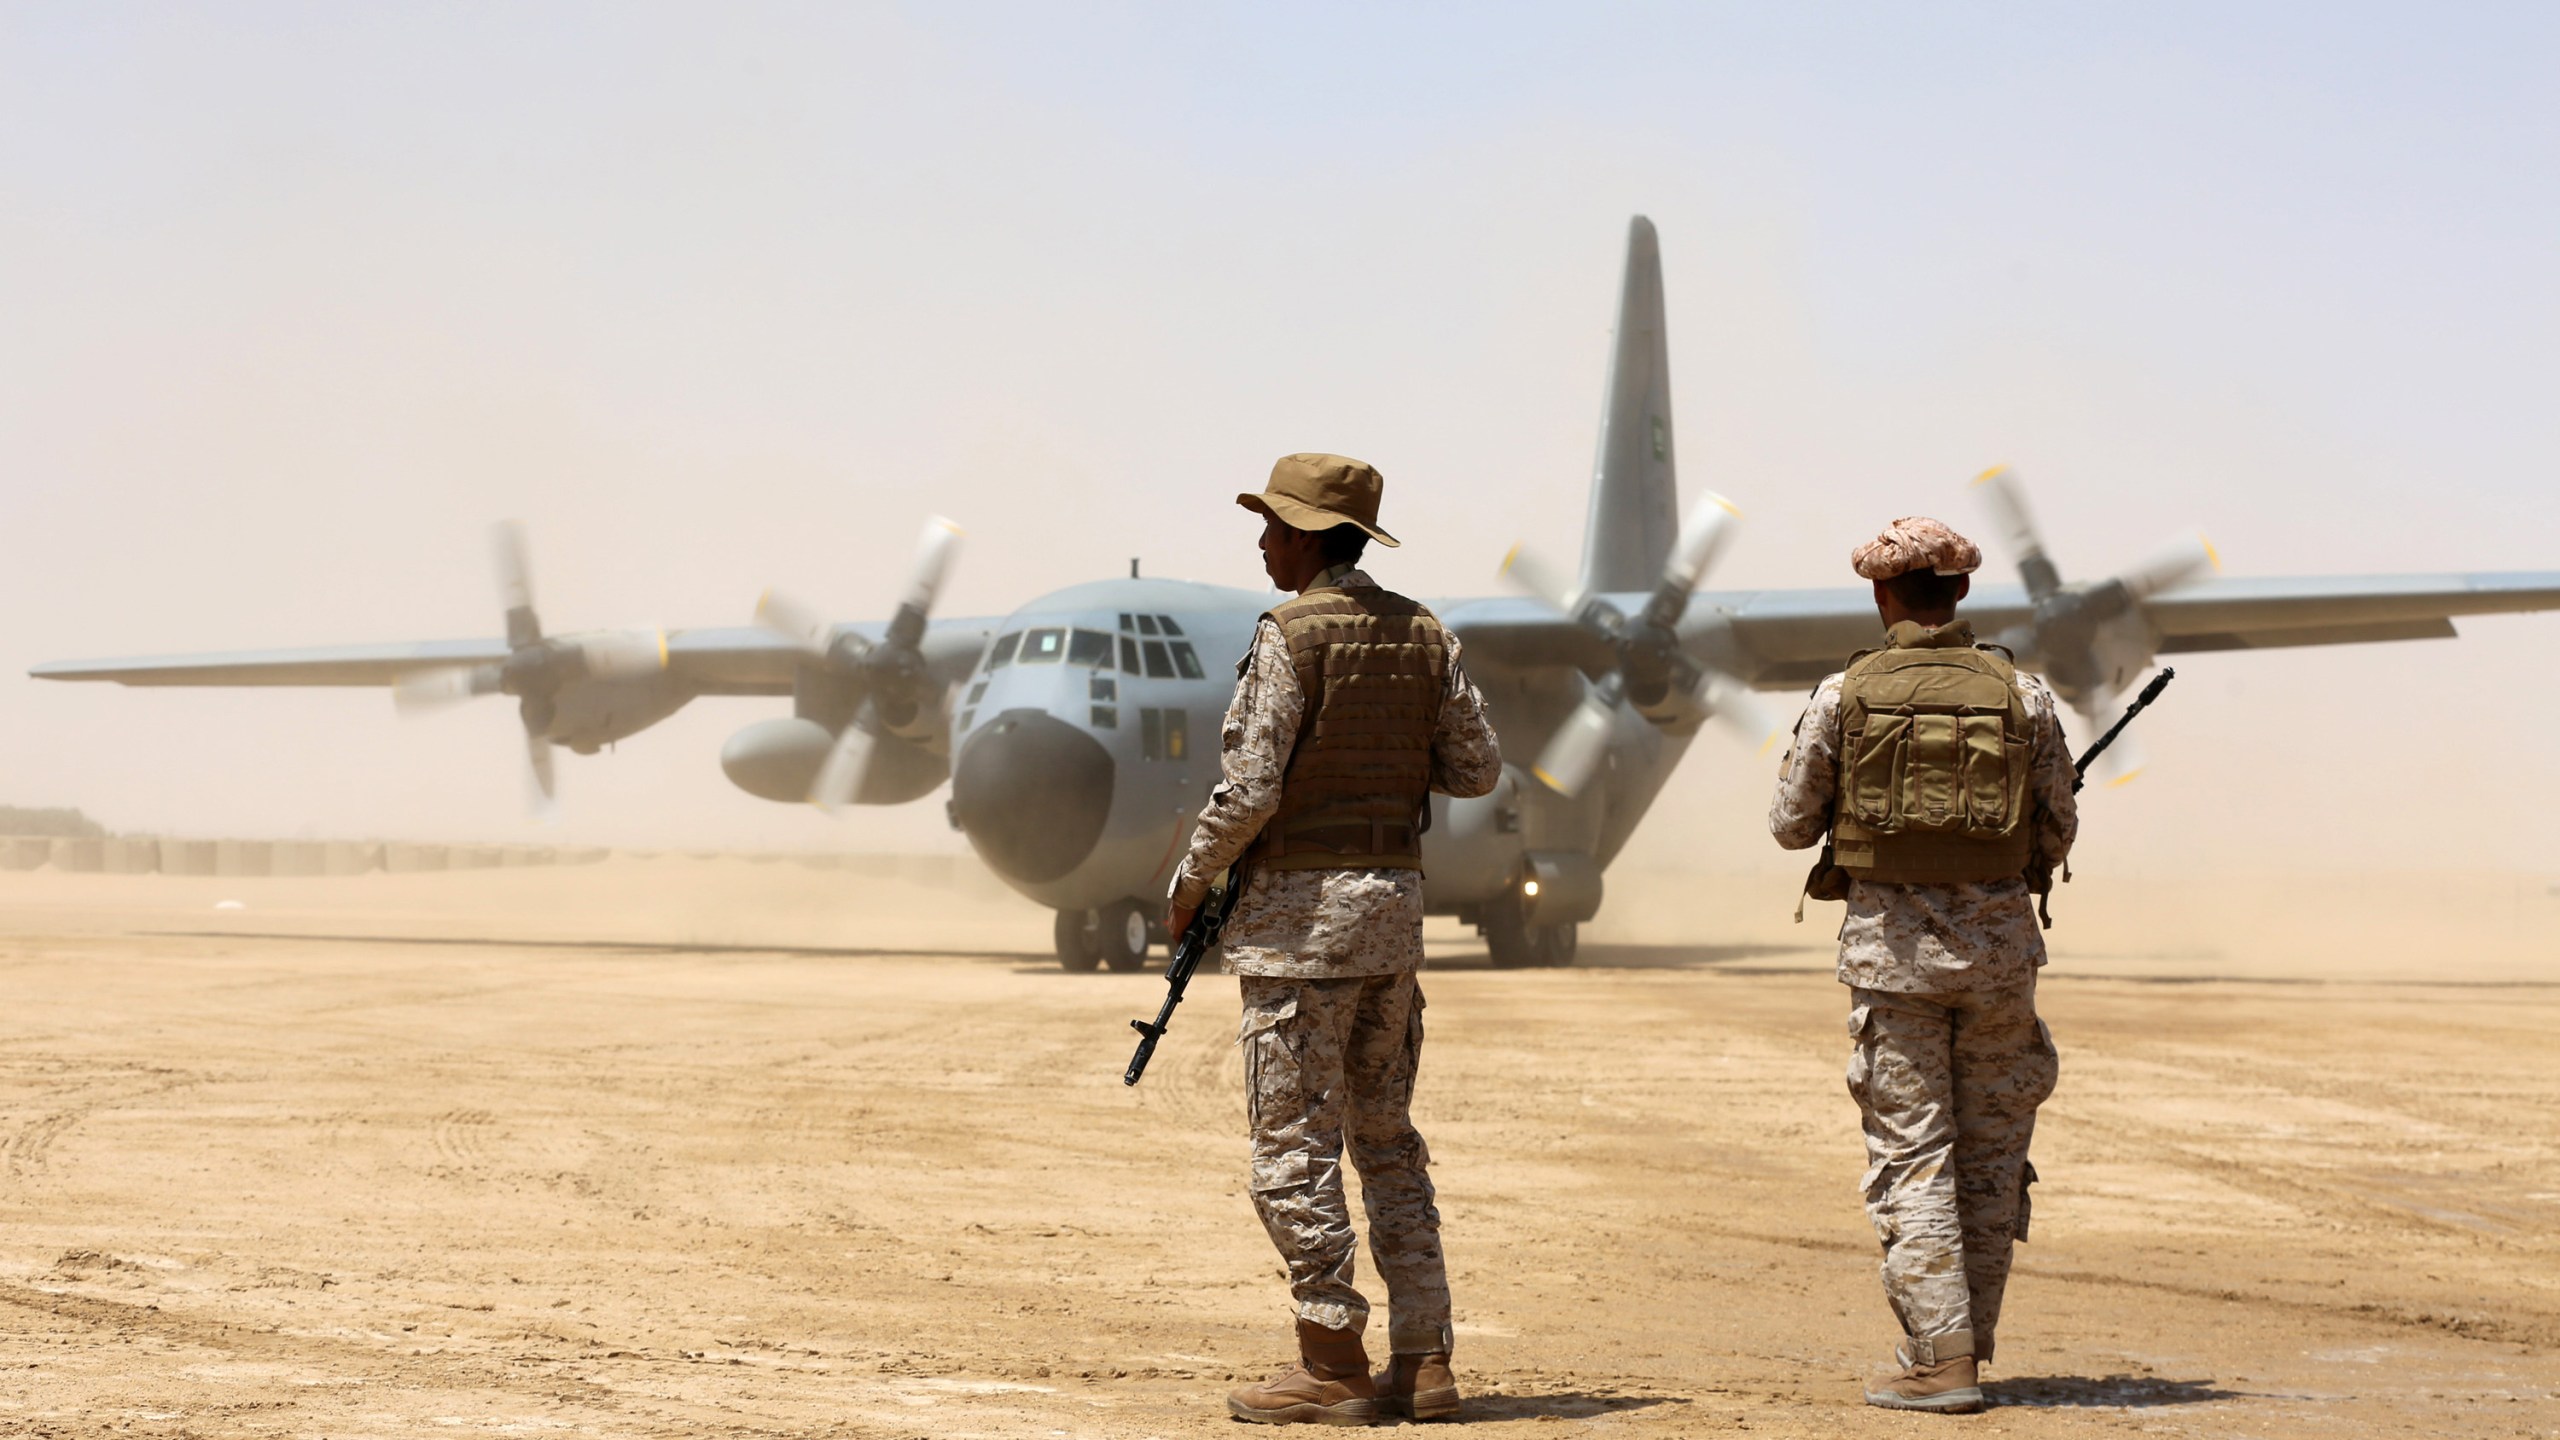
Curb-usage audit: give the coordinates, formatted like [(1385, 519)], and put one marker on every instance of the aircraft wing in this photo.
[(1788, 639), (723, 661), (326, 665), (1520, 633)]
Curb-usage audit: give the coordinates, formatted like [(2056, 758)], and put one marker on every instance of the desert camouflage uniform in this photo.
[(1950, 1061), (1332, 1026)]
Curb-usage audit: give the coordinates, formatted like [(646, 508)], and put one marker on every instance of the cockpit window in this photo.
[(1089, 647), (1169, 627), (1146, 624), (1002, 655), (1126, 623), (1043, 647), (1128, 656), (1187, 662), (1159, 664)]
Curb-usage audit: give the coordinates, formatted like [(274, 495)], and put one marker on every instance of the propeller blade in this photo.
[(537, 754), (2172, 565), (1701, 541), (848, 762), (1533, 576), (795, 622), (421, 692), (934, 550), (2006, 498), (515, 584), (1731, 704), (1574, 755)]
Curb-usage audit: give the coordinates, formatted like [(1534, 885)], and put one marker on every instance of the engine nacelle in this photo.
[(779, 759), (587, 714)]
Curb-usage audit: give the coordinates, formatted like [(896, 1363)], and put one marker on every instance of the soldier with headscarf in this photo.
[(1938, 776)]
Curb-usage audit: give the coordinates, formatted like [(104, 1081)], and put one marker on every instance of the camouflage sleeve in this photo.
[(1809, 778), (2057, 810), (1254, 743), (1465, 758)]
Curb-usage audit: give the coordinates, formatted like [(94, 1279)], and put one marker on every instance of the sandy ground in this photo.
[(690, 1147)]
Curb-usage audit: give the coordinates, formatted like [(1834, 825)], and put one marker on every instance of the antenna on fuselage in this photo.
[(1133, 567)]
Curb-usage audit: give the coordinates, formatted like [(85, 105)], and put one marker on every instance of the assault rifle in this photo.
[(1197, 939), (2141, 702)]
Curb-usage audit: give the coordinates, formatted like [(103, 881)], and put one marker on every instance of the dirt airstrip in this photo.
[(703, 1148)]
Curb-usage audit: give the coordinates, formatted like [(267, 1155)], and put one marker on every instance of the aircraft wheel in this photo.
[(1557, 943), (1508, 940), (1121, 937), (1073, 933)]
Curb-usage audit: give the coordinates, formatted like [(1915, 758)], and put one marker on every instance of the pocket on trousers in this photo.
[(1860, 1017), (2026, 1202), (2048, 1065), (1270, 1071), (1285, 1171)]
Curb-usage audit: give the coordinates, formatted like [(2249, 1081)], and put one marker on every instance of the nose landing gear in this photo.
[(1116, 935), (1512, 942)]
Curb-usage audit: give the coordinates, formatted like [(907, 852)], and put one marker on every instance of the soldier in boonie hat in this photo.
[(1350, 709), (1313, 491)]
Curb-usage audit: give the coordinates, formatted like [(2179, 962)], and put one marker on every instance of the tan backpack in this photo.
[(1934, 758)]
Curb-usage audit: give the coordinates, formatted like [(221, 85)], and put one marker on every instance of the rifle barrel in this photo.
[(2141, 702)]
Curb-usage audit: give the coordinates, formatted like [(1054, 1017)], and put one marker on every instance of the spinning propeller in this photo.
[(535, 669), (2089, 639), (886, 680), (1650, 663)]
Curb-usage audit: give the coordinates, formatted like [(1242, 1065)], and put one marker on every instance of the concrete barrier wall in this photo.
[(83, 856), (25, 852), (244, 857), (132, 855), (403, 859), (298, 857), (186, 857), (350, 857)]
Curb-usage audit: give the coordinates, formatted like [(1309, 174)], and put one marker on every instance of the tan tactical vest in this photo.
[(1934, 760), (1357, 794)]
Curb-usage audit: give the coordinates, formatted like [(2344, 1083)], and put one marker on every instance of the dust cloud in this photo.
[(301, 303)]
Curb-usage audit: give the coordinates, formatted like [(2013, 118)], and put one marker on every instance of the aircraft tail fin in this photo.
[(1635, 495)]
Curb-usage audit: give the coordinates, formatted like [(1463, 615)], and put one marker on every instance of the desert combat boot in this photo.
[(1938, 1373), (1420, 1387), (1331, 1385)]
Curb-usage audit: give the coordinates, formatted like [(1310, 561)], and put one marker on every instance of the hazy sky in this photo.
[(296, 300)]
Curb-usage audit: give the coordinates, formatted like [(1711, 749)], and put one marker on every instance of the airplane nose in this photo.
[(1032, 793)]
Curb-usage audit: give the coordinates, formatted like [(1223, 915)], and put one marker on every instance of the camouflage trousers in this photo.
[(1947, 1087), (1328, 1062)]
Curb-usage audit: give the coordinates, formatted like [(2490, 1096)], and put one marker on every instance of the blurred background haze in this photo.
[(296, 300)]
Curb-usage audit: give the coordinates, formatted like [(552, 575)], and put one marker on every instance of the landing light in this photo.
[(1529, 889)]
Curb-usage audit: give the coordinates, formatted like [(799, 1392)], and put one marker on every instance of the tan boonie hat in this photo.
[(1915, 542), (1318, 492)]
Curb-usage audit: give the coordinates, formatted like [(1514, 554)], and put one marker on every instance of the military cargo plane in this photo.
[(1079, 733)]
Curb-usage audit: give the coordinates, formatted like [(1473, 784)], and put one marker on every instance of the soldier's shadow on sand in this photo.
[(1724, 959), (1572, 1405), (2107, 1392)]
